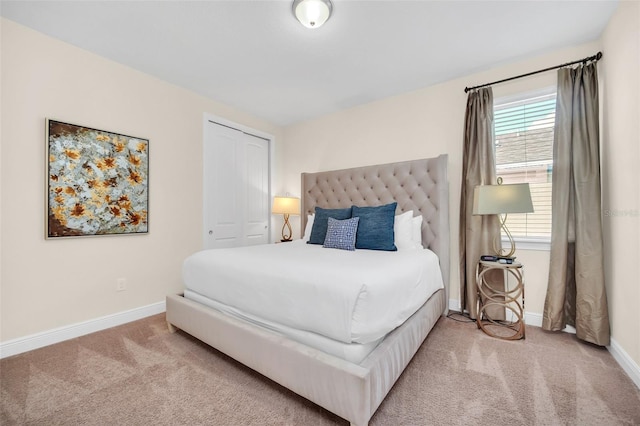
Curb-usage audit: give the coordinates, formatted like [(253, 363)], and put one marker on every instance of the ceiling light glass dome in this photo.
[(312, 13)]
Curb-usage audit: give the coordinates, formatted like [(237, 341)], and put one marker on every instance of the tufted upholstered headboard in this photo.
[(418, 185)]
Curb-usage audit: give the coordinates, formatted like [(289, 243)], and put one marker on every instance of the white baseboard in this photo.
[(628, 365), (45, 338), (532, 319), (454, 305), (529, 318)]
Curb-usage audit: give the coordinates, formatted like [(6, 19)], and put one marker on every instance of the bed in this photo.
[(352, 388)]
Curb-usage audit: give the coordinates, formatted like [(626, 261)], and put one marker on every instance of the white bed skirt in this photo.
[(352, 391)]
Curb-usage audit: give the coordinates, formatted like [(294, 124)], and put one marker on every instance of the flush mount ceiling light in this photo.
[(312, 13)]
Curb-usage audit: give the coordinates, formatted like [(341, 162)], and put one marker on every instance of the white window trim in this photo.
[(523, 243), (520, 96)]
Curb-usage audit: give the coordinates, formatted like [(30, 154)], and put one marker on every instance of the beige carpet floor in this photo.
[(139, 374)]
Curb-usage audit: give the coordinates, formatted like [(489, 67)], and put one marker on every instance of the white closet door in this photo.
[(256, 158), (236, 187)]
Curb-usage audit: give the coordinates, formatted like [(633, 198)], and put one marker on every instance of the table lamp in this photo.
[(502, 199), (286, 206)]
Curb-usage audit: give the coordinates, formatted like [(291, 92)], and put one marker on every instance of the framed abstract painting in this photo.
[(97, 182)]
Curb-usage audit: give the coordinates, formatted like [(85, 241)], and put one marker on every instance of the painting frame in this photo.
[(96, 182)]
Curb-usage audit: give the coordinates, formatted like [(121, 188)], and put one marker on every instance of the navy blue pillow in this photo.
[(375, 229), (319, 229)]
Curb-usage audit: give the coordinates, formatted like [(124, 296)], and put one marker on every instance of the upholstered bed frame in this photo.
[(352, 391)]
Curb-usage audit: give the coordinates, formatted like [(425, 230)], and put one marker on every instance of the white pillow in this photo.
[(307, 228), (403, 231), (416, 234)]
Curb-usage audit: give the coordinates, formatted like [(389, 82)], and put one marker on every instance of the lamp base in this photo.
[(286, 229), (286, 241), (503, 253)]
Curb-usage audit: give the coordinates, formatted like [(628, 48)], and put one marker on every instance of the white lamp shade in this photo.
[(286, 205), (499, 199), (312, 13)]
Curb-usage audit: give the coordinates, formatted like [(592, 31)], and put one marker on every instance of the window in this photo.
[(524, 154)]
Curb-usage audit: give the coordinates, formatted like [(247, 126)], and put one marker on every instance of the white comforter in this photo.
[(355, 296)]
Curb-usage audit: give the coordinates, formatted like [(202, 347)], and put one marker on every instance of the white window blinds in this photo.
[(524, 153)]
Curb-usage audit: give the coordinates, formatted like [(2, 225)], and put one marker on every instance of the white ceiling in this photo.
[(254, 55)]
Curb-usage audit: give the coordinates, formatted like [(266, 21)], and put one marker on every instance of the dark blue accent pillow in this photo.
[(319, 230), (375, 229), (341, 234)]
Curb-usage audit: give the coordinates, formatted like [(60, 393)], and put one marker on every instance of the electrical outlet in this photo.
[(121, 284)]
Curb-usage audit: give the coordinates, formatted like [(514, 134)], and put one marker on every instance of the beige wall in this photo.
[(419, 124), (621, 181), (52, 283)]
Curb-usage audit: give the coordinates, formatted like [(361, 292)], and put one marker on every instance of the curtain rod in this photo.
[(595, 57)]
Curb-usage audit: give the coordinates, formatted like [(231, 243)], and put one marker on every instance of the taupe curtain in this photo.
[(576, 291), (478, 168)]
